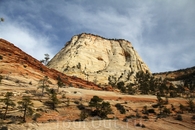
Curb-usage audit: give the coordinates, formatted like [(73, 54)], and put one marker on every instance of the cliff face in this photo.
[(17, 66), (95, 58)]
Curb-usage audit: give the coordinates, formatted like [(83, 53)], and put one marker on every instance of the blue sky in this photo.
[(161, 31)]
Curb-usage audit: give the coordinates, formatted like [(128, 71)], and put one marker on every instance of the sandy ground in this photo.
[(105, 125), (132, 101)]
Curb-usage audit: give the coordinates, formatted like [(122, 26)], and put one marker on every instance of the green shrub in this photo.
[(81, 107), (76, 102), (120, 108), (151, 111), (143, 126), (179, 117), (84, 114), (138, 125), (166, 111)]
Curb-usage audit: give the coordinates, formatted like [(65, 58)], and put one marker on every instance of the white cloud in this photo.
[(26, 39)]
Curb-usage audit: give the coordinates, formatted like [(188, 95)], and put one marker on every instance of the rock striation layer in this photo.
[(96, 59), (18, 66)]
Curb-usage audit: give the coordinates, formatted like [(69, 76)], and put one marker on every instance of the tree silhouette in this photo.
[(8, 102), (53, 98), (1, 77), (101, 108), (191, 104), (59, 83), (143, 81), (46, 59), (43, 84), (26, 106), (105, 109), (95, 102), (160, 102)]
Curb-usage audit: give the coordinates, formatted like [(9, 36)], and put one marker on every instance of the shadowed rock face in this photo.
[(95, 58)]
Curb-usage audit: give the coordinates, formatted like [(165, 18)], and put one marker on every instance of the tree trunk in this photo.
[(24, 116), (5, 112)]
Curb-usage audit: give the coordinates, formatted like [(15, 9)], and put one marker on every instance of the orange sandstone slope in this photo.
[(16, 63)]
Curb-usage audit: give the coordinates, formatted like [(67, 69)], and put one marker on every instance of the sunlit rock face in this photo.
[(22, 70), (95, 58)]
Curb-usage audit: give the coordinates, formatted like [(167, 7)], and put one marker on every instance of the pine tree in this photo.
[(43, 84), (59, 83), (95, 102), (8, 102), (101, 108), (26, 106), (53, 98)]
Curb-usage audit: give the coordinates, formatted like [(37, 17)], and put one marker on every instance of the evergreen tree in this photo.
[(191, 105), (95, 102), (102, 109), (59, 83), (8, 102), (53, 98), (43, 84), (26, 106)]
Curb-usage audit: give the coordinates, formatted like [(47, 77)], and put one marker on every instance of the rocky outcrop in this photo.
[(95, 58), (20, 67)]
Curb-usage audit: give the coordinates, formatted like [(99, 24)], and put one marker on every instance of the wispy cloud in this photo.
[(27, 39)]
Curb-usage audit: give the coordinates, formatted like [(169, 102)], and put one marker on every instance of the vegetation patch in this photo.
[(1, 57), (120, 108)]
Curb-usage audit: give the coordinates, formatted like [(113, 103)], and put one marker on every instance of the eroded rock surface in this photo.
[(95, 58)]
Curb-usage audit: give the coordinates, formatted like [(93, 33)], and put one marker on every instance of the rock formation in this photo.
[(17, 66), (97, 59)]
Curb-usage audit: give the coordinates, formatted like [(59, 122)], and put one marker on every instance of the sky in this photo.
[(161, 31)]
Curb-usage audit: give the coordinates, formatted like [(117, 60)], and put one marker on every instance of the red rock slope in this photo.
[(15, 62)]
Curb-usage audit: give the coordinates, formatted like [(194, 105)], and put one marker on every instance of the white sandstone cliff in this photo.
[(95, 58)]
